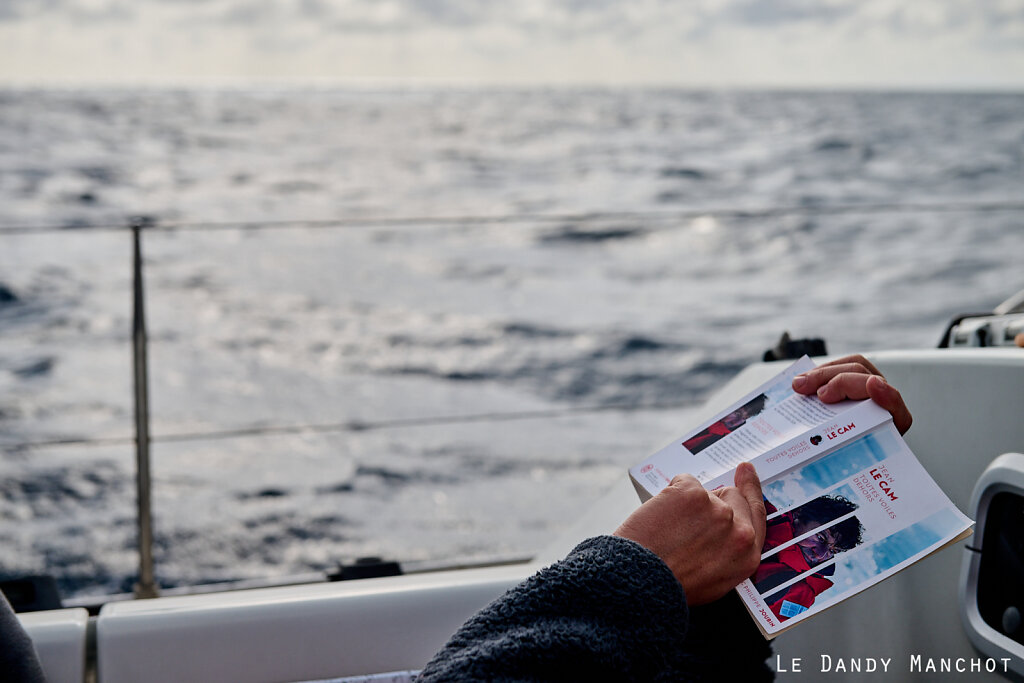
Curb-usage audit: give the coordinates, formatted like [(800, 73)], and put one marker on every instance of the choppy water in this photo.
[(376, 323)]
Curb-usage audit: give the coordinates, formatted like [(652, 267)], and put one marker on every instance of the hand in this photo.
[(854, 377), (711, 540)]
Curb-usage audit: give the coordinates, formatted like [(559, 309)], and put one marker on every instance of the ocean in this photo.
[(433, 325)]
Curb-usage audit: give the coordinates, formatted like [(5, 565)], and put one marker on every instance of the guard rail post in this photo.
[(146, 586)]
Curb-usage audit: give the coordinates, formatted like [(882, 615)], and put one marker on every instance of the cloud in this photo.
[(782, 12), (538, 17), (19, 10), (700, 41), (78, 11), (553, 19)]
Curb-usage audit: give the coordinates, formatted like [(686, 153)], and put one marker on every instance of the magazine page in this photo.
[(861, 418), (764, 420), (843, 522)]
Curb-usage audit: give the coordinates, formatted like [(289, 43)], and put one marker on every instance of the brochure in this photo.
[(848, 503)]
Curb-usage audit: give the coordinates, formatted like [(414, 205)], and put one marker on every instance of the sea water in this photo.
[(573, 268)]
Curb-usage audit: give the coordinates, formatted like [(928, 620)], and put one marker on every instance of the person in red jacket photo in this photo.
[(804, 555), (727, 425)]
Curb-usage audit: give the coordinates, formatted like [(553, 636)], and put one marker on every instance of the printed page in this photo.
[(764, 420), (843, 522), (860, 419)]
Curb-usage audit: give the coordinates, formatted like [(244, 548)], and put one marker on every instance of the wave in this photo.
[(574, 234)]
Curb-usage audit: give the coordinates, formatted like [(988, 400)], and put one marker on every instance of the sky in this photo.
[(909, 44)]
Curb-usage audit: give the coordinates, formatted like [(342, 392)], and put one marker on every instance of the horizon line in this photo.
[(412, 84)]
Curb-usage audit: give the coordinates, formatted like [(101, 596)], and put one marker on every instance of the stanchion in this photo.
[(146, 586)]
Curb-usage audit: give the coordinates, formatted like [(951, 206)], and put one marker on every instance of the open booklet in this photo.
[(848, 503)]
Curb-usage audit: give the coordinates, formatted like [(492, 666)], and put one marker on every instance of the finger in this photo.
[(845, 385), (742, 527), (731, 496), (684, 482), (738, 539), (888, 397), (749, 485), (812, 380), (857, 386), (856, 359)]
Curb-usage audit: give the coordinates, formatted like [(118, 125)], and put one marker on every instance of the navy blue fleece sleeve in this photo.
[(611, 610), (18, 660)]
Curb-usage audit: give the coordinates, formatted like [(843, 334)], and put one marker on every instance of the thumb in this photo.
[(749, 485)]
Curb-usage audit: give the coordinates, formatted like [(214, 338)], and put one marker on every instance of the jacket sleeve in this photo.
[(611, 610), (18, 660)]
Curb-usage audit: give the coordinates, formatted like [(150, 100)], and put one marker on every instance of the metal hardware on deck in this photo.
[(146, 586), (366, 568), (789, 348), (32, 593)]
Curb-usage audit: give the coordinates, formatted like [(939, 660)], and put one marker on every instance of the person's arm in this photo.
[(19, 662), (656, 602), (610, 610), (636, 606)]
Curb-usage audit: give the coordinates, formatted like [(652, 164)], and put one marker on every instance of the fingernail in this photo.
[(822, 390), (799, 381)]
